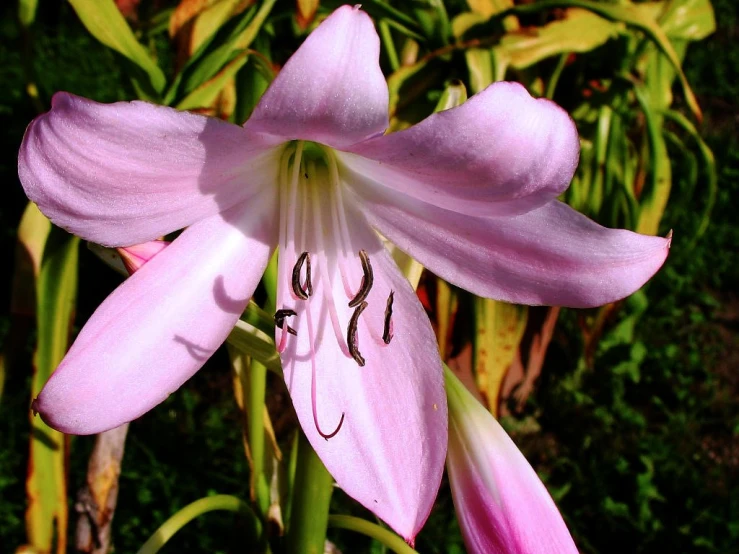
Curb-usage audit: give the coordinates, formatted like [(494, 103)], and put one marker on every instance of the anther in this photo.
[(387, 331), (280, 316), (367, 281), (302, 292), (351, 335), (333, 434)]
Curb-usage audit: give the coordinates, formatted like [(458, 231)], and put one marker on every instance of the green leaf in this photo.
[(682, 19), (499, 328), (580, 31), (27, 12), (627, 13), (480, 67), (46, 515), (223, 47), (656, 191), (33, 231), (489, 7), (105, 23), (206, 93), (709, 163), (248, 339)]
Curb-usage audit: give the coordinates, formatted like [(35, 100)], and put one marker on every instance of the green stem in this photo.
[(312, 491), (359, 525), (256, 391), (191, 511)]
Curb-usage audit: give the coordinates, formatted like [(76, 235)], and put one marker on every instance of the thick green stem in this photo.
[(306, 533), (255, 405)]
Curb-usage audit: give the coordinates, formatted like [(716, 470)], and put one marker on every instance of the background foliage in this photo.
[(637, 440)]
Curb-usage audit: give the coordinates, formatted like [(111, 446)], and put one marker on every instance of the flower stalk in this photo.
[(311, 499)]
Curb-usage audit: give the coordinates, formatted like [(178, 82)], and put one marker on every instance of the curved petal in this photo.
[(331, 90), (126, 173), (502, 506), (161, 325), (389, 416), (552, 255), (500, 153)]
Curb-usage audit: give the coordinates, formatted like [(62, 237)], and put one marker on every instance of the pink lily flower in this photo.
[(469, 192), (501, 505)]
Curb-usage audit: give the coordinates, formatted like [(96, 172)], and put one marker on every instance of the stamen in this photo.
[(387, 332), (351, 335), (280, 316), (335, 431), (302, 292), (367, 281), (314, 406)]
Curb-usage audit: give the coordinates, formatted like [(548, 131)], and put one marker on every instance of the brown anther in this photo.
[(387, 331), (367, 281), (302, 292), (333, 434), (280, 316), (351, 335)]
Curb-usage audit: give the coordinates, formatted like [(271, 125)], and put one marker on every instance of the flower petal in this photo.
[(130, 172), (161, 325), (501, 504), (389, 416), (331, 90), (552, 255), (500, 153)]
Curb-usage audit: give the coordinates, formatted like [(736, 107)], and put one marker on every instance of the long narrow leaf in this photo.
[(105, 23), (46, 516)]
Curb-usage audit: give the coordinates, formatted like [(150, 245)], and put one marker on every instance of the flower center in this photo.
[(324, 280)]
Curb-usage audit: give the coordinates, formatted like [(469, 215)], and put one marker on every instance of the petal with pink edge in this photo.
[(500, 153), (331, 90), (126, 173), (552, 255), (379, 428), (161, 325), (501, 504)]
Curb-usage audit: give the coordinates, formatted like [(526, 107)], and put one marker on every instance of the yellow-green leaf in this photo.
[(27, 12), (105, 23), (212, 18), (306, 12), (682, 19), (46, 488), (580, 31), (489, 7), (631, 15), (249, 340), (205, 94), (499, 327)]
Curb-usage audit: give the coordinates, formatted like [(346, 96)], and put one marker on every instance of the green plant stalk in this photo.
[(372, 530), (256, 393), (211, 503), (311, 499), (257, 390)]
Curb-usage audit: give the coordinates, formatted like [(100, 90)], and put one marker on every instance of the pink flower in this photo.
[(501, 505), (470, 193)]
